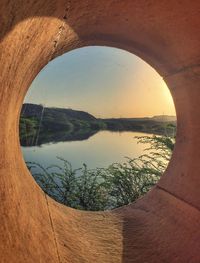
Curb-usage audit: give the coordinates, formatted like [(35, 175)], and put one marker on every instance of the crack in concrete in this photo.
[(61, 28), (183, 69), (53, 229), (178, 197)]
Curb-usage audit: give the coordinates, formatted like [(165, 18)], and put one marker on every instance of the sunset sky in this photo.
[(106, 82)]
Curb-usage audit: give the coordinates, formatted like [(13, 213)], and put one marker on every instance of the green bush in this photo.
[(106, 188)]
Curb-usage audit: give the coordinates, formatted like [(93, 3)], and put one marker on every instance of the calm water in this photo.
[(100, 150)]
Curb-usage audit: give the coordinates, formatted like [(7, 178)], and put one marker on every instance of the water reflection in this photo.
[(55, 137), (99, 150)]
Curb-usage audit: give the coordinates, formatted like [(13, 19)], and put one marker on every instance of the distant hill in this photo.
[(164, 118), (158, 118), (34, 110), (44, 125), (57, 124)]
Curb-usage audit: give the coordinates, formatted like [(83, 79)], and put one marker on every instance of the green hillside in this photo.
[(42, 125)]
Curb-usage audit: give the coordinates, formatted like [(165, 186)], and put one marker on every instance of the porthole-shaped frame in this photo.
[(162, 226)]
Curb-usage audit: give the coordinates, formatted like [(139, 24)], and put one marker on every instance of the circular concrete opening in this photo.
[(97, 128), (164, 225)]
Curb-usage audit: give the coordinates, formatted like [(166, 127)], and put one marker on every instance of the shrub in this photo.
[(106, 188)]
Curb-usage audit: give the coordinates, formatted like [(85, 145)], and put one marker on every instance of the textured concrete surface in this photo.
[(164, 226)]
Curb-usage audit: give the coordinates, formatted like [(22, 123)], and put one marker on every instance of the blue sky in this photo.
[(107, 82)]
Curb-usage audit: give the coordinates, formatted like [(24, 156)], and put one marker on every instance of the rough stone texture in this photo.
[(164, 226)]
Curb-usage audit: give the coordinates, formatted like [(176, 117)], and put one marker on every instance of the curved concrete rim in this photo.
[(164, 226)]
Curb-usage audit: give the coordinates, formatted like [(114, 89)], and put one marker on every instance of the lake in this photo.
[(99, 150)]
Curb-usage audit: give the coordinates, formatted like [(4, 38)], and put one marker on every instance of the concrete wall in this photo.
[(164, 226)]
